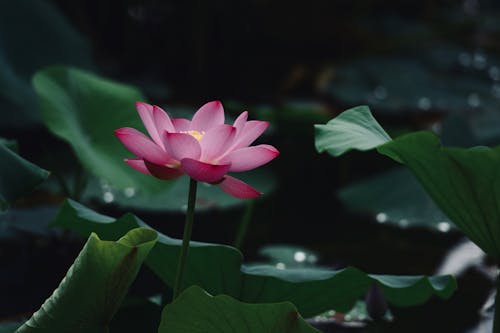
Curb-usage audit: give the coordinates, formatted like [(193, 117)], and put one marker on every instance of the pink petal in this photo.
[(209, 115), (146, 113), (250, 132), (138, 164), (204, 172), (181, 145), (238, 189), (141, 146), (163, 172), (162, 121), (215, 141), (181, 124), (241, 120), (249, 158)]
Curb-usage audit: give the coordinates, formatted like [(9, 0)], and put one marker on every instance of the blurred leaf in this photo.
[(469, 129), (94, 286), (196, 311), (33, 221), (17, 176), (10, 326), (175, 198), (395, 197), (464, 183), (84, 110), (219, 270), (11, 144), (289, 256), (356, 129), (27, 28), (427, 83)]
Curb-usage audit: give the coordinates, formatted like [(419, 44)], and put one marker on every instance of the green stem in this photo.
[(243, 227), (496, 318), (188, 228)]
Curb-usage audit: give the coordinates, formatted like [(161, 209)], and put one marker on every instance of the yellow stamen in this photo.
[(195, 134)]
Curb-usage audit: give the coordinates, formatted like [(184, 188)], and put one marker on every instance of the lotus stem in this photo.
[(186, 237)]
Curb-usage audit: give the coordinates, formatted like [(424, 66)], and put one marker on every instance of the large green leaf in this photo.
[(285, 255), (29, 27), (94, 286), (464, 183), (219, 270), (84, 109), (17, 176), (356, 129), (196, 311)]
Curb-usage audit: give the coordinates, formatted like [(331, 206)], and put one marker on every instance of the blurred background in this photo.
[(418, 64)]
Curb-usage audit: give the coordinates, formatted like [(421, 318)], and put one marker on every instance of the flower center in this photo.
[(195, 134)]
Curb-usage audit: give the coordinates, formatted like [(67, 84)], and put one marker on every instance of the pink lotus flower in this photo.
[(204, 148)]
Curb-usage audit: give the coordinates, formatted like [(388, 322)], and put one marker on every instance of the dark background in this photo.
[(414, 62)]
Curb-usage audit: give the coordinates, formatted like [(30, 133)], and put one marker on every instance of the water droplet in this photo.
[(437, 128), (129, 192), (347, 317), (444, 226), (381, 217), (312, 259), (495, 90), (380, 92), (424, 103), (479, 61), (464, 59), (280, 265), (108, 197), (184, 207), (299, 256), (494, 73), (104, 184), (403, 223), (473, 100)]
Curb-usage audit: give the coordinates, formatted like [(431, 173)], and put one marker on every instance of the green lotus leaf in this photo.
[(94, 286), (84, 109), (219, 270), (463, 182), (355, 129), (17, 176), (196, 311)]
